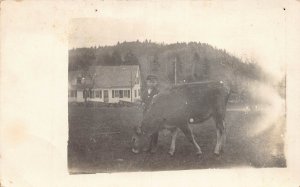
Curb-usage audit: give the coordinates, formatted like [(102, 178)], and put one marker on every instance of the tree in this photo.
[(107, 59), (89, 77), (178, 64), (197, 69), (130, 59), (86, 59), (116, 58), (154, 65), (157, 58), (100, 61), (206, 68), (201, 67)]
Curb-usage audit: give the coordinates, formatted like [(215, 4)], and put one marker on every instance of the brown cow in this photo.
[(177, 108)]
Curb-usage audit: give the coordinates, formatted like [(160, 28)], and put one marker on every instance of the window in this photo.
[(74, 93), (92, 93), (121, 93), (98, 93), (105, 95), (78, 81), (139, 91), (117, 93), (127, 93), (85, 94)]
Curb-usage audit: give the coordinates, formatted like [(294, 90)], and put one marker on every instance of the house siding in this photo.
[(117, 99), (136, 86)]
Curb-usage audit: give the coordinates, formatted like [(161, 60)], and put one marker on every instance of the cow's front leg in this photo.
[(153, 144), (174, 133), (190, 136)]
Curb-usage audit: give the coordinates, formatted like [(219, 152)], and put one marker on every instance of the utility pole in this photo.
[(175, 74), (131, 85)]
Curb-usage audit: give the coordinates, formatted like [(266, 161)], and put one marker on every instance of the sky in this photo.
[(253, 30)]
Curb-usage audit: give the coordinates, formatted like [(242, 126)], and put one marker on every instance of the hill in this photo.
[(195, 61)]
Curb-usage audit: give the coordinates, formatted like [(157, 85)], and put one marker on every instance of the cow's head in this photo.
[(139, 140)]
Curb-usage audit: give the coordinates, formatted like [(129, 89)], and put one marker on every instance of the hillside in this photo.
[(194, 61)]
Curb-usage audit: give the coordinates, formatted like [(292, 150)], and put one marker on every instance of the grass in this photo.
[(91, 149)]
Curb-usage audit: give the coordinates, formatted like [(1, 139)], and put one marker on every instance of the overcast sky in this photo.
[(248, 30)]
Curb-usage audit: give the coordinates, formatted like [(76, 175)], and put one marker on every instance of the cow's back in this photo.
[(187, 101), (204, 99), (166, 106)]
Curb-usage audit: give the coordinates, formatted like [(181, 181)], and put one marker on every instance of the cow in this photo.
[(179, 107)]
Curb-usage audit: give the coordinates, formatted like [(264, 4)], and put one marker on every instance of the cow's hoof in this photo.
[(135, 151), (171, 153), (199, 153), (199, 156), (218, 153)]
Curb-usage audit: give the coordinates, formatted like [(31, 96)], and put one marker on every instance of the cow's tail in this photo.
[(228, 95), (228, 87)]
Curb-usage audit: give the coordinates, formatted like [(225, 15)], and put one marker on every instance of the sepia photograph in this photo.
[(149, 93), (148, 105)]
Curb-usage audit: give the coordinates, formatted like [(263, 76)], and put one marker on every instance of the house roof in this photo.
[(105, 76), (114, 76), (73, 75)]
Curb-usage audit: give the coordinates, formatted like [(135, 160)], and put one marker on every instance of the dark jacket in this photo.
[(148, 97)]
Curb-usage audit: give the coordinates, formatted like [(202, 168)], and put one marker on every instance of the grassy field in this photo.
[(91, 149)]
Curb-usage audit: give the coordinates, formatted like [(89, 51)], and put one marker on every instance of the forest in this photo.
[(194, 61)]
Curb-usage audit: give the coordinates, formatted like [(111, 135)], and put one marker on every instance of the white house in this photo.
[(109, 84)]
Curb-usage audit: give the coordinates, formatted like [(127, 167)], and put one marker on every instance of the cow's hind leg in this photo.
[(190, 136), (174, 133), (221, 135)]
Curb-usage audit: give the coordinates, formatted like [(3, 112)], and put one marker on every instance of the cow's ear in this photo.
[(138, 130)]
